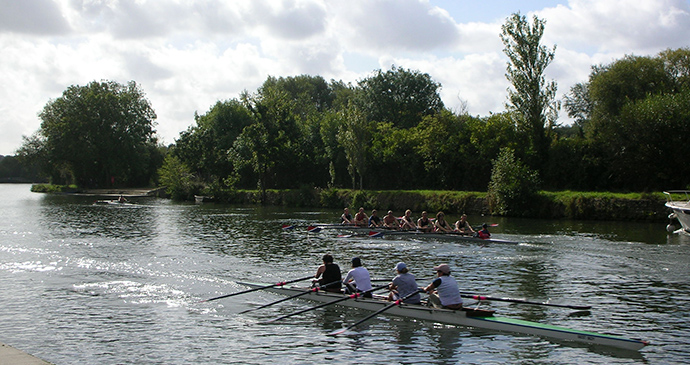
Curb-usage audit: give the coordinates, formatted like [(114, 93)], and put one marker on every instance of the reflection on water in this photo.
[(108, 284)]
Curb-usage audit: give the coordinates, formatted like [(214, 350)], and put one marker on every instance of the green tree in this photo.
[(398, 96), (485, 138), (178, 179), (205, 146), (613, 86), (652, 136), (579, 105), (635, 101), (677, 65), (532, 99), (98, 135), (354, 136)]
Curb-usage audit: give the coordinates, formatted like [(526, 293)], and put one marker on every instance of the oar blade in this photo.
[(338, 332), (523, 301), (256, 289), (313, 229)]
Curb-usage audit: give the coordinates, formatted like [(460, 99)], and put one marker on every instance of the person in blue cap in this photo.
[(403, 285), (358, 279)]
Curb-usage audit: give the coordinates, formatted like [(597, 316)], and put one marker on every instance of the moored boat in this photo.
[(680, 210), (485, 320)]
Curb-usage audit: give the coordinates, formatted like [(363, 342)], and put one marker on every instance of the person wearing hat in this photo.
[(444, 292), (358, 275), (403, 285), (329, 275)]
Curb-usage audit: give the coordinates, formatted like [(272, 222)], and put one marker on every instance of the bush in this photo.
[(513, 187)]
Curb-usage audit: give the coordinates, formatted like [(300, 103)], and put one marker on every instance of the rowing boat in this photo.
[(383, 232), (467, 318), (438, 235), (455, 236)]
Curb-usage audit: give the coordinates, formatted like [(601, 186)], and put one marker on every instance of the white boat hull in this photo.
[(460, 318), (680, 209)]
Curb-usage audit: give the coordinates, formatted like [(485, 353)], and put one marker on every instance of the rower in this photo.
[(374, 220), (331, 275), (406, 222), (346, 217), (358, 275), (403, 285), (390, 221), (440, 224), (361, 219), (443, 292), (463, 226), (424, 223)]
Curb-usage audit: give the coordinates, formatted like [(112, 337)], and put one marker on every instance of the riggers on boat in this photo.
[(382, 232), (467, 318), (440, 235)]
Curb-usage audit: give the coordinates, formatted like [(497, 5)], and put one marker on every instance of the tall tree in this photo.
[(354, 136), (532, 99), (100, 134)]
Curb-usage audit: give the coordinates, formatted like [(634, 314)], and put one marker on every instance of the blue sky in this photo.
[(188, 54)]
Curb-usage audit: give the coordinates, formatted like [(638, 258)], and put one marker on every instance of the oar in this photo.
[(258, 288), (488, 225), (389, 306), (351, 296), (511, 300), (320, 225), (311, 290)]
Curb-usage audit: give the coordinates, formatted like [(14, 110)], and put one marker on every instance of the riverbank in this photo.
[(12, 356), (547, 205), (600, 206)]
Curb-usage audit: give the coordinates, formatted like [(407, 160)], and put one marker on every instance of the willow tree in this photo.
[(532, 99)]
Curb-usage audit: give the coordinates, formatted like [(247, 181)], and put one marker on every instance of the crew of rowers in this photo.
[(443, 290), (406, 222)]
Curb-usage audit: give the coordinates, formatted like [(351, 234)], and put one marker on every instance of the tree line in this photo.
[(388, 131)]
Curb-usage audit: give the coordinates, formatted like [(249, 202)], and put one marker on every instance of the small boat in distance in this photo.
[(680, 210), (203, 198)]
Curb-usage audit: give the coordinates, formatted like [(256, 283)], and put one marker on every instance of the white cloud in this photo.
[(187, 54), (32, 17)]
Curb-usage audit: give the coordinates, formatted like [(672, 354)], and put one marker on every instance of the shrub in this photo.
[(513, 187)]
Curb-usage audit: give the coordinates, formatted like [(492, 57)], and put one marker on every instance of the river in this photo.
[(103, 284)]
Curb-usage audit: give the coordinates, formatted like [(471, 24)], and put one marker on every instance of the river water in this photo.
[(102, 284)]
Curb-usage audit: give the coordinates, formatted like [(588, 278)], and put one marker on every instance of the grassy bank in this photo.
[(551, 205)]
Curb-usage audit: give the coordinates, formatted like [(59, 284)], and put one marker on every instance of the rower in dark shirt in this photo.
[(329, 274), (424, 223)]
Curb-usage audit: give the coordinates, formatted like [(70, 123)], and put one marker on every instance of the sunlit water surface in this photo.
[(102, 284)]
